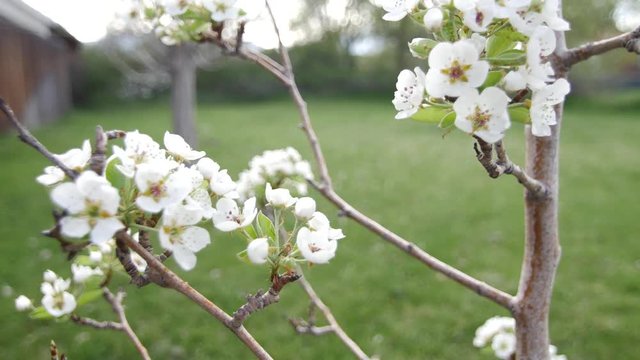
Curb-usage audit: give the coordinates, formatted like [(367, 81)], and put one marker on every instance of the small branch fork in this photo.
[(502, 165), (285, 74), (123, 325), (309, 327), (630, 41)]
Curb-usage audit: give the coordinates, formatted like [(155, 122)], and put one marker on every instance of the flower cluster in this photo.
[(499, 332), (488, 65), (282, 167)]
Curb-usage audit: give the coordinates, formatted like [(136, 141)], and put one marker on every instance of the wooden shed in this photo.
[(38, 60)]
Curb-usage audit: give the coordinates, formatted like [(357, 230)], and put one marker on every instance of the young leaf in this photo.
[(244, 257), (431, 114), (113, 175), (447, 120), (509, 58), (40, 313), (520, 114), (266, 225), (493, 78), (500, 42), (89, 296)]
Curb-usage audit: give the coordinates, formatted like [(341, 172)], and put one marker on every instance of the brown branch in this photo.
[(310, 328), (173, 281), (25, 136), (102, 325), (484, 154), (116, 305), (629, 41), (261, 300), (124, 256)]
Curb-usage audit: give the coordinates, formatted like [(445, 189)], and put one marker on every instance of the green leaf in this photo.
[(40, 313), (244, 257), (493, 78), (251, 231), (500, 42), (83, 260), (520, 114), (447, 120), (431, 114), (89, 296), (421, 47), (114, 176), (266, 225), (509, 58)]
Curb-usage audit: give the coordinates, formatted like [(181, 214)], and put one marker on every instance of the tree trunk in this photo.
[(183, 92), (542, 246)]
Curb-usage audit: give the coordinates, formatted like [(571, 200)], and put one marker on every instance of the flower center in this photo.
[(479, 18), (156, 191), (456, 72), (479, 119)]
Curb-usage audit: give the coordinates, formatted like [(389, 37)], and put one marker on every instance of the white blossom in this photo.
[(49, 276), (480, 15), (305, 208), (178, 233), (280, 198), (484, 115), (433, 19), (81, 272), (258, 250), (179, 148), (174, 7), (526, 20), (23, 303), (453, 68), (221, 10), (57, 301), (514, 81), (542, 111), (222, 184), (92, 204), (398, 9), (207, 167), (52, 175), (227, 216), (76, 159), (504, 345), (95, 256), (409, 92), (491, 327), (315, 246), (320, 222), (139, 149), (507, 8), (159, 187)]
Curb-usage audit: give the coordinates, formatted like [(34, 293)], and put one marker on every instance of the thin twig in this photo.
[(116, 305), (173, 281), (484, 154), (26, 137), (333, 326), (629, 41), (96, 324)]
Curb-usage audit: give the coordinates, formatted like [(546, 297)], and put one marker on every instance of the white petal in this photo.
[(195, 238), (184, 257), (75, 227), (258, 250), (226, 226), (105, 229), (68, 196), (149, 204)]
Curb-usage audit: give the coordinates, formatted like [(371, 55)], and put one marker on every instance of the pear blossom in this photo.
[(526, 20), (82, 273), (221, 10), (49, 276), (514, 81), (320, 222), (491, 327), (480, 15), (92, 205), (95, 256), (159, 187), (174, 7), (305, 208), (484, 115), (315, 246), (207, 167), (507, 8), (199, 195), (280, 198), (453, 68), (542, 110), (258, 250), (398, 9), (76, 159), (478, 41), (227, 216), (23, 303), (222, 184), (409, 92), (57, 301), (52, 175), (139, 149), (504, 345), (178, 234), (433, 19), (179, 148)]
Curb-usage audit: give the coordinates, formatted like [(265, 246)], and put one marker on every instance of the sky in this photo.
[(88, 20)]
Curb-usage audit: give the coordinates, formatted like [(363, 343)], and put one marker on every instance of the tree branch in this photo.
[(630, 41), (173, 281), (25, 136), (334, 326), (96, 324), (484, 154), (116, 305)]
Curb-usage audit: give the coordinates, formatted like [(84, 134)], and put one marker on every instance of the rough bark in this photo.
[(183, 92)]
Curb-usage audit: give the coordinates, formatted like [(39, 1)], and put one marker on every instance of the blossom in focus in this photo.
[(280, 198), (179, 148), (227, 216), (453, 68), (526, 20), (409, 92), (258, 250), (484, 115), (542, 111), (159, 187), (315, 246), (92, 204), (320, 222), (433, 19), (305, 208), (139, 148), (398, 9), (178, 234), (74, 159), (480, 15)]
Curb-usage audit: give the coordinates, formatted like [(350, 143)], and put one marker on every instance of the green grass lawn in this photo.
[(403, 174)]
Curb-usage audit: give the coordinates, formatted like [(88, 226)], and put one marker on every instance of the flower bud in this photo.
[(23, 303), (279, 197), (49, 276), (305, 207), (514, 81), (258, 250), (421, 47), (95, 256), (433, 19)]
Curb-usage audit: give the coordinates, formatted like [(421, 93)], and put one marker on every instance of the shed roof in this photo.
[(29, 19)]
